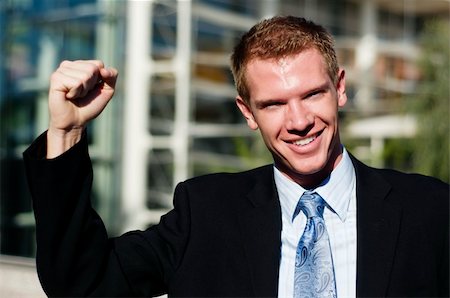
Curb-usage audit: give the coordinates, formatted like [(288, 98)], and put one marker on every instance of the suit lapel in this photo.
[(260, 221), (378, 223)]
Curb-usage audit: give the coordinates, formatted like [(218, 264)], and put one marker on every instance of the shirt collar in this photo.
[(336, 189)]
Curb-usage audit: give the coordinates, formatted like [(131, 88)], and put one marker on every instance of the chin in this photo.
[(310, 166)]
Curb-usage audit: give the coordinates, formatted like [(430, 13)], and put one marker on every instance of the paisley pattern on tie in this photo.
[(314, 273)]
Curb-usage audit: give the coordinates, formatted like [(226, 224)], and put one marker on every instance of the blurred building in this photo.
[(174, 115)]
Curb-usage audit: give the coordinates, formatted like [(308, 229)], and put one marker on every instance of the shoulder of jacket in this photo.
[(231, 180), (401, 179)]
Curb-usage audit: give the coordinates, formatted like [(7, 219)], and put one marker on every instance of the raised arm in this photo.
[(74, 256), (79, 91)]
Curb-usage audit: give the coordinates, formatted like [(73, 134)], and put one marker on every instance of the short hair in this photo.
[(278, 37)]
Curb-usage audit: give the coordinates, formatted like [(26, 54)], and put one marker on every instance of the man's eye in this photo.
[(314, 93), (272, 104)]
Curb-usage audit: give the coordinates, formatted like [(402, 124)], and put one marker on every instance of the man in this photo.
[(241, 235)]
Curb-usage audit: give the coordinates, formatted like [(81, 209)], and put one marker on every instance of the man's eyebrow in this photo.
[(319, 87)]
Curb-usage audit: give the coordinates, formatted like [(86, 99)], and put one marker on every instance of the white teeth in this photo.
[(304, 141)]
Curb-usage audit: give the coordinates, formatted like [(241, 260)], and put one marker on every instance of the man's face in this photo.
[(294, 103)]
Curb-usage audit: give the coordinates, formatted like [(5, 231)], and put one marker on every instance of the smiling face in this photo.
[(294, 103)]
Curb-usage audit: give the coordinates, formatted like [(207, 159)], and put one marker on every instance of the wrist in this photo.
[(60, 140)]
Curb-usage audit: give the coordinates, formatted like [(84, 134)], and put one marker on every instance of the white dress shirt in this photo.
[(339, 192)]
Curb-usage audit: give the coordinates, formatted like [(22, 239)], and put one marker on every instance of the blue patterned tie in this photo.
[(314, 273)]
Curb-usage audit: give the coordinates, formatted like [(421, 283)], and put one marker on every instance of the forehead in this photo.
[(300, 71), (305, 56)]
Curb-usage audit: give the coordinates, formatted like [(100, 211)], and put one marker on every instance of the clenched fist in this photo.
[(79, 91)]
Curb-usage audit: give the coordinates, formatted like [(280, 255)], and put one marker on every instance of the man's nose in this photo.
[(298, 116)]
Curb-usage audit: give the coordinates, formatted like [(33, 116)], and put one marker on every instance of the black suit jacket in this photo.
[(223, 236)]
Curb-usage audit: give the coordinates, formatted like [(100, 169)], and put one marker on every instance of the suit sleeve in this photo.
[(74, 255)]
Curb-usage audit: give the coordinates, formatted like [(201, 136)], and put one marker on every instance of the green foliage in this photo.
[(252, 154), (431, 105), (398, 153)]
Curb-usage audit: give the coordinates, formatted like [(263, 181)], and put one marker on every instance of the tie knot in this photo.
[(311, 204)]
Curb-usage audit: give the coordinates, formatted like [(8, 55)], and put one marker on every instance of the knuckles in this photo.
[(77, 73), (78, 78), (64, 63)]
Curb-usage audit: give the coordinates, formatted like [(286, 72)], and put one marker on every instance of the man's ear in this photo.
[(246, 112), (340, 88)]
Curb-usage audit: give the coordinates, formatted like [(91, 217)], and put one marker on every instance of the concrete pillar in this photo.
[(366, 55)]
